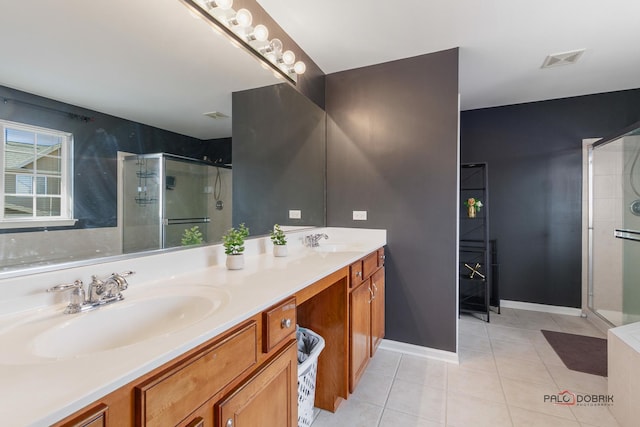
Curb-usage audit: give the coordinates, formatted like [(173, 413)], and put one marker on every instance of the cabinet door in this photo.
[(267, 399), (377, 310), (360, 332)]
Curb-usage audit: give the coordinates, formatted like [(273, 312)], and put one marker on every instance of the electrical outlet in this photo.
[(295, 214), (359, 215)]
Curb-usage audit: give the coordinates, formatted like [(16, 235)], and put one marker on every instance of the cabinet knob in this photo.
[(358, 273), (229, 423), (285, 324)]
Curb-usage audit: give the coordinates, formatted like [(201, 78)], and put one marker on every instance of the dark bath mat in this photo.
[(579, 352)]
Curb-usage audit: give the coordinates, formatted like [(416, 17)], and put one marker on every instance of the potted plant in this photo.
[(279, 241), (233, 242), (191, 236), (473, 206)]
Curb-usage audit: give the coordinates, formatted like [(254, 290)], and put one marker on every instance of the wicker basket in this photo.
[(307, 371)]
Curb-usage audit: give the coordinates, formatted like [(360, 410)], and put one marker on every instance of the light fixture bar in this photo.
[(208, 11)]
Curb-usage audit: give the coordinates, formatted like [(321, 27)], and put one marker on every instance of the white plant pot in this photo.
[(235, 262), (280, 250)]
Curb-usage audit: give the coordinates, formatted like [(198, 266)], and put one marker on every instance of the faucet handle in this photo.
[(66, 286)]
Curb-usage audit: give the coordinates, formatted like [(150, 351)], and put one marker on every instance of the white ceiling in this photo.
[(152, 62), (148, 61), (502, 43)]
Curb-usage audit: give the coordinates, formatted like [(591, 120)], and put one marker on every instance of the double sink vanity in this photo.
[(192, 343)]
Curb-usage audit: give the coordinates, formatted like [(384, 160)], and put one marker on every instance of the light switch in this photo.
[(359, 215), (295, 214)]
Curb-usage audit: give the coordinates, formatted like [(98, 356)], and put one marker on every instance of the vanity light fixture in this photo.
[(237, 26)]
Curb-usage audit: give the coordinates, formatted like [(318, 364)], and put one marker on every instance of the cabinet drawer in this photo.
[(370, 264), (356, 274), (168, 398), (95, 417), (381, 257), (279, 322)]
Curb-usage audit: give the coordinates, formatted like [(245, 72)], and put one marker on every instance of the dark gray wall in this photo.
[(392, 151), (279, 158), (534, 152)]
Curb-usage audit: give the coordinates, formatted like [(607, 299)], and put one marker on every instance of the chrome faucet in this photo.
[(99, 292), (313, 240)]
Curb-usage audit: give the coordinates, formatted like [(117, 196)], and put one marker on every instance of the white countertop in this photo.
[(43, 392)]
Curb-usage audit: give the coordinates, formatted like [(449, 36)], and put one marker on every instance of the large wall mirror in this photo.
[(121, 113)]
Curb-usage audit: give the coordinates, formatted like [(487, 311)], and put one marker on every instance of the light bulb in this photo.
[(299, 67), (288, 57), (276, 46), (222, 4), (243, 18), (261, 33)]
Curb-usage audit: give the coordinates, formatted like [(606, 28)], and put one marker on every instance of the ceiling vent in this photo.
[(216, 115), (563, 58)]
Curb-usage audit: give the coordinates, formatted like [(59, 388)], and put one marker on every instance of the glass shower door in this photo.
[(614, 220)]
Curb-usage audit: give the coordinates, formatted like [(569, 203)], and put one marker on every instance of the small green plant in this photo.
[(233, 240), (277, 236), (192, 236)]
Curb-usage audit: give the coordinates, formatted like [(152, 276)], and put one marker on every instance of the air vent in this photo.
[(216, 115), (563, 58)]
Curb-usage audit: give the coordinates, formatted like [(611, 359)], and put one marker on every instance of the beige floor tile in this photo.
[(475, 327), (478, 361), (535, 320), (373, 388), (514, 350), (546, 353), (505, 333), (505, 320), (352, 413), (418, 400), (385, 362), (595, 415), (465, 411), (531, 396), (470, 341), (392, 418), (428, 372), (483, 385), (525, 418), (525, 370), (577, 325), (577, 382)]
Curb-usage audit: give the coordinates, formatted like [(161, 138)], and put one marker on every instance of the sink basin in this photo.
[(331, 247), (124, 323)]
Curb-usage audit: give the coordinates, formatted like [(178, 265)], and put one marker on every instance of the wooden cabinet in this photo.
[(360, 333), (278, 322), (366, 314), (169, 397), (268, 399), (377, 309), (94, 417)]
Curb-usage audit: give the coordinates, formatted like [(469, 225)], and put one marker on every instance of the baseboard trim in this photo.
[(555, 309), (416, 350)]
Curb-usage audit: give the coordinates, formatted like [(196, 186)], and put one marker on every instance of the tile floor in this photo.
[(506, 367)]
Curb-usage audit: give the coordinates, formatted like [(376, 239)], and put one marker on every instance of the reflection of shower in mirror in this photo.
[(164, 195)]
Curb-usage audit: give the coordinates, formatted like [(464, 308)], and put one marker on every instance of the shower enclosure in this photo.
[(614, 228), (166, 196)]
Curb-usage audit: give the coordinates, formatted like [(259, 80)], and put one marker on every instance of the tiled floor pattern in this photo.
[(506, 367)]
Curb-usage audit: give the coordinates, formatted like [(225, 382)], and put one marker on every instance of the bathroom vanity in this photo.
[(228, 354)]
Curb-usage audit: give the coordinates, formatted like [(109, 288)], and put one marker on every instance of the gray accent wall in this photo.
[(392, 151), (534, 152), (278, 158)]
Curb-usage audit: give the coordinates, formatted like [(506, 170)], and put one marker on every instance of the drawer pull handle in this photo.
[(375, 290), (229, 423), (285, 324), (371, 293), (198, 422)]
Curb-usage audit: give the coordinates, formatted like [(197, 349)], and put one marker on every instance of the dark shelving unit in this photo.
[(478, 256)]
